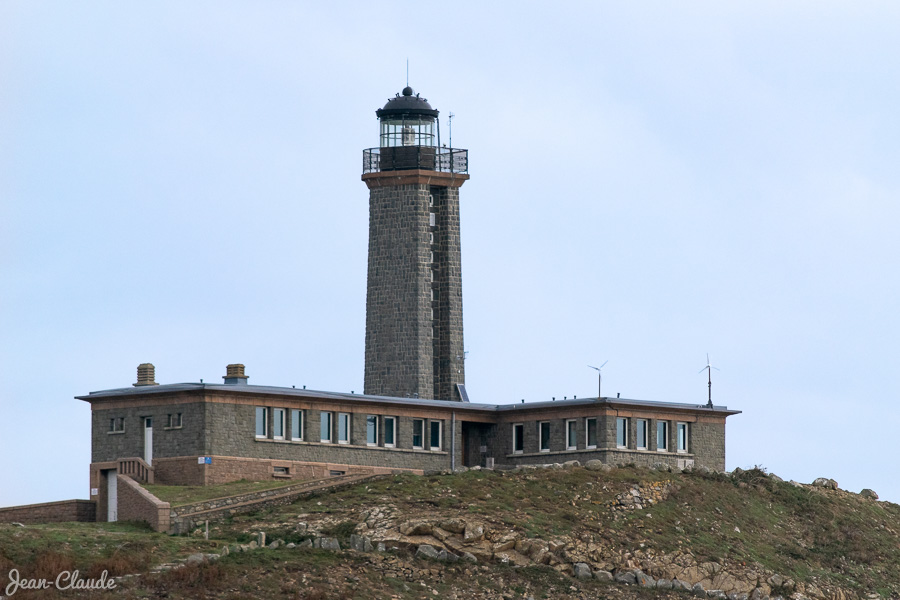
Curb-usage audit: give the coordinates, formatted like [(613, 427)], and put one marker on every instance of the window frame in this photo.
[(276, 413), (346, 418), (587, 433), (393, 421), (301, 425), (573, 434), (116, 425), (421, 423), (330, 417), (264, 411), (641, 424), (518, 438), (626, 430), (372, 420), (665, 438), (678, 439), (541, 439), (440, 432)]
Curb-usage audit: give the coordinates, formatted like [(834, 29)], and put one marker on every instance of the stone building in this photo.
[(415, 414)]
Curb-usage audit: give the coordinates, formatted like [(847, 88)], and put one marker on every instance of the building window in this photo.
[(621, 432), (278, 423), (431, 219), (435, 434), (343, 428), (544, 436), (390, 432), (173, 421), (296, 424), (662, 436), (418, 433), (518, 431), (682, 437), (590, 432), (262, 422), (282, 471), (642, 434), (571, 435), (325, 426), (372, 430), (117, 425)]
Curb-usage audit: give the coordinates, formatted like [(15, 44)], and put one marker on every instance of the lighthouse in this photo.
[(414, 317)]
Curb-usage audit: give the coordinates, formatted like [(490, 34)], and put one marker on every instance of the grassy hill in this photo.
[(742, 532)]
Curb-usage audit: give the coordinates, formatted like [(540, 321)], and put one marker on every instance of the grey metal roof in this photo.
[(342, 396)]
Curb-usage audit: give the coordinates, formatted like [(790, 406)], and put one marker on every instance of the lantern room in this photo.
[(407, 120)]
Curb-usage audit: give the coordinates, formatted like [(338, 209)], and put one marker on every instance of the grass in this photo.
[(119, 548), (179, 495)]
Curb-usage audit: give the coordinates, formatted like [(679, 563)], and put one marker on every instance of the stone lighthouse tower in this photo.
[(414, 322)]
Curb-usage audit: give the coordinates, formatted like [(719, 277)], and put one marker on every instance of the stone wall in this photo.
[(137, 504), (232, 433), (50, 512), (183, 441), (706, 441)]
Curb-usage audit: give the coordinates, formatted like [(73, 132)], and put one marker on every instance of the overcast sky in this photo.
[(180, 184)]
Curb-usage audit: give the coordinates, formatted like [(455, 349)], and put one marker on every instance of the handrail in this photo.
[(136, 468), (429, 158)]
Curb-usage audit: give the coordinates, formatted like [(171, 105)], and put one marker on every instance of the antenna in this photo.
[(450, 126), (407, 72), (708, 368), (599, 378)]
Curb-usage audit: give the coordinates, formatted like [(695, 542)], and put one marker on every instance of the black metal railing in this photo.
[(429, 158)]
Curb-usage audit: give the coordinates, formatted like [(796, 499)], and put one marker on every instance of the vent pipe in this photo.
[(234, 375)]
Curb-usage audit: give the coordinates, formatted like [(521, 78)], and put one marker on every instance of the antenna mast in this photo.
[(407, 72), (450, 126)]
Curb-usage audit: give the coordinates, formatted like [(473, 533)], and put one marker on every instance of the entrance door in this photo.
[(112, 496), (148, 440)]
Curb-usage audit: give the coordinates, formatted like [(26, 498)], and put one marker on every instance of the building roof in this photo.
[(363, 398)]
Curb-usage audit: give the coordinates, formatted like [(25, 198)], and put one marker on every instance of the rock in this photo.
[(225, 551), (454, 525), (826, 483), (718, 594), (381, 547), (469, 557), (867, 493), (795, 484), (664, 584), (326, 543), (758, 594), (569, 464), (445, 556), (426, 551), (261, 539), (703, 469), (360, 543), (698, 590), (291, 546), (626, 577), (252, 545), (775, 581), (17, 524), (678, 584), (462, 469), (473, 532), (305, 544), (644, 580), (594, 465), (734, 596), (775, 477), (195, 559), (441, 534), (602, 575), (415, 528), (582, 570), (737, 472), (506, 542)]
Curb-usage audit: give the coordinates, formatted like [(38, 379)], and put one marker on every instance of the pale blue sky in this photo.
[(180, 184)]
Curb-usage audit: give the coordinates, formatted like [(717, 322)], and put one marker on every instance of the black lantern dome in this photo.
[(407, 120)]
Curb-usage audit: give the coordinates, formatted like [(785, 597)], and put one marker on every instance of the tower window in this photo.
[(430, 200), (431, 219)]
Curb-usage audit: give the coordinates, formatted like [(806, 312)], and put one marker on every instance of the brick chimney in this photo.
[(234, 375), (146, 375)]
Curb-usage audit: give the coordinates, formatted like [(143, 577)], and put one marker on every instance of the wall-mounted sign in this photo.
[(204, 460), (95, 492)]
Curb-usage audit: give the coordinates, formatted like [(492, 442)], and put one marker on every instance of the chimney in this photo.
[(234, 375), (146, 375)]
